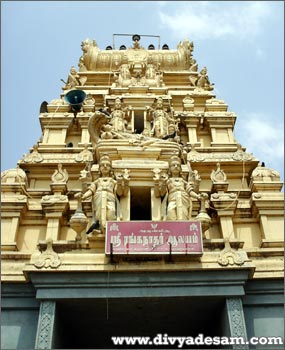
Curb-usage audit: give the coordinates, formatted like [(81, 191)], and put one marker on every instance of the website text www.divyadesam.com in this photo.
[(200, 340)]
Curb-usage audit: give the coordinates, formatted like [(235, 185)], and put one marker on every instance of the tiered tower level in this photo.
[(150, 142)]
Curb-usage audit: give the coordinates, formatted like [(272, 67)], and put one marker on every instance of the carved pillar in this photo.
[(11, 211), (236, 321), (45, 135), (192, 123), (132, 114), (44, 337), (214, 135), (85, 136), (265, 207), (54, 208), (156, 212), (145, 119), (231, 135), (125, 207), (226, 223), (225, 204), (54, 136), (63, 135), (221, 125)]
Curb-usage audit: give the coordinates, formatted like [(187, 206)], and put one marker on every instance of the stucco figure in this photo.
[(153, 77), (161, 120), (73, 80), (123, 78), (178, 192), (203, 80), (118, 115), (105, 190)]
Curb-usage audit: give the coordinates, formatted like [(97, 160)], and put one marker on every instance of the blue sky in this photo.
[(240, 43)]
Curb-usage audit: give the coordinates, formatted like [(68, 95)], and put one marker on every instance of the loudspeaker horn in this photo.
[(75, 98)]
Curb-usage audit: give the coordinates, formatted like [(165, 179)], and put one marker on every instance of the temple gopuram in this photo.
[(138, 213)]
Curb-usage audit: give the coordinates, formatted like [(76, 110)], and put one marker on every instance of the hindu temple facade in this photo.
[(137, 136)]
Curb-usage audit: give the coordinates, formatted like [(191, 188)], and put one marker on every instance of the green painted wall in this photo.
[(262, 301), (19, 316)]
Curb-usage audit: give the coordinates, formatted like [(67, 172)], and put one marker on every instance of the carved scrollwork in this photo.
[(241, 155), (52, 199), (218, 175), (85, 155), (195, 156), (34, 157), (228, 256), (49, 258), (60, 175)]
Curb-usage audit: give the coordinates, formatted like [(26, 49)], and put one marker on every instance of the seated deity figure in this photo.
[(72, 80), (124, 77), (179, 192), (104, 191), (118, 121), (203, 80), (152, 75), (161, 120)]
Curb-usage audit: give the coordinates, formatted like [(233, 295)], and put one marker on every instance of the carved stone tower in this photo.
[(138, 137)]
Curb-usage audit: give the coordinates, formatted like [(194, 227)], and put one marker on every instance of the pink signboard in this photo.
[(153, 237)]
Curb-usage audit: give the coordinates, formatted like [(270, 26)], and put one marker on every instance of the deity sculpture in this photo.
[(124, 78), (118, 121), (104, 191), (161, 120), (203, 80), (178, 192), (153, 77), (72, 80)]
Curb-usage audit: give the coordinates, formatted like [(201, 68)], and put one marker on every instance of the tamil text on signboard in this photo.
[(153, 237)]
